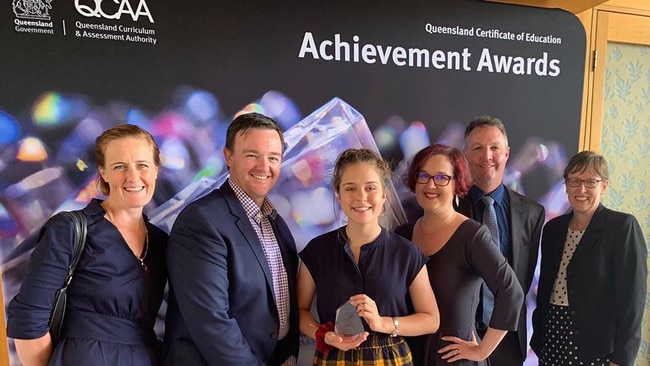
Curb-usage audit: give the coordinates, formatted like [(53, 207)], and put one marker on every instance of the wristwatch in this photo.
[(396, 330)]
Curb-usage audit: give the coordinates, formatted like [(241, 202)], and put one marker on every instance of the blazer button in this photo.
[(273, 335), (573, 313), (577, 332)]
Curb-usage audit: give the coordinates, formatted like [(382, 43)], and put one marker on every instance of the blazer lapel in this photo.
[(517, 215), (554, 244), (243, 224), (284, 243), (593, 232), (464, 206)]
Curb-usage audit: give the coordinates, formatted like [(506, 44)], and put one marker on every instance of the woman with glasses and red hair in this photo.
[(592, 282), (462, 256)]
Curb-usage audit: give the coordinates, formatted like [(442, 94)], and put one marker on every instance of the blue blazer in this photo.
[(221, 309), (526, 219), (606, 284)]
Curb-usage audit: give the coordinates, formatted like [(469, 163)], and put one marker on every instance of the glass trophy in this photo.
[(348, 322)]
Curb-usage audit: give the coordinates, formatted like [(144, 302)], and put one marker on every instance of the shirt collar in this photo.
[(498, 194), (251, 208)]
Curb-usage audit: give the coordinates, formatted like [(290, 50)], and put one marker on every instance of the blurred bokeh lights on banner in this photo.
[(47, 162), (9, 129), (303, 194)]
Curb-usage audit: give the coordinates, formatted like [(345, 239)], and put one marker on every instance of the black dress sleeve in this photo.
[(28, 312), (492, 266)]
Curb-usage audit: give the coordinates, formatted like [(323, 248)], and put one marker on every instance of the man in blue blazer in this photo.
[(519, 220), (233, 263)]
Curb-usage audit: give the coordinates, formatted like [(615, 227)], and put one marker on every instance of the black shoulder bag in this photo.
[(61, 297)]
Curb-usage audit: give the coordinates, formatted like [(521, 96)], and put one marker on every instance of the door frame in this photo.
[(614, 21)]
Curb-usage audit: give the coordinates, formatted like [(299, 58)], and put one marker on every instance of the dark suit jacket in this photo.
[(526, 221), (221, 309), (606, 284)]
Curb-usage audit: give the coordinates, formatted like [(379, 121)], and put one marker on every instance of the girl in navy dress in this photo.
[(374, 269), (118, 285)]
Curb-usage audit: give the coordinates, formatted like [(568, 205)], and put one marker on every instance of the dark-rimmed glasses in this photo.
[(440, 180), (589, 183)]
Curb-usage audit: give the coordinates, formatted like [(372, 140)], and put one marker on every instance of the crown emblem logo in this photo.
[(32, 9)]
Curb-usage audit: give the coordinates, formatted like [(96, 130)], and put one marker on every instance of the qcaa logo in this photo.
[(112, 9)]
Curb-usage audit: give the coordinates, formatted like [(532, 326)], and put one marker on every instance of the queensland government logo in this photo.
[(32, 9)]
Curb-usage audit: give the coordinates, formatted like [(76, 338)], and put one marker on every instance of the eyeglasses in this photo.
[(589, 183), (440, 180)]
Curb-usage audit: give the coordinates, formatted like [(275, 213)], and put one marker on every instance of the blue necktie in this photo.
[(489, 220)]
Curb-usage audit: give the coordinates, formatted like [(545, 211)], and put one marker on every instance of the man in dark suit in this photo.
[(233, 263), (519, 221)]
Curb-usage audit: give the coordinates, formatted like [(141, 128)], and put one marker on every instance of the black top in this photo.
[(456, 272), (386, 269)]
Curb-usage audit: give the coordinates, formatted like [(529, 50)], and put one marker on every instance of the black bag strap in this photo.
[(80, 231)]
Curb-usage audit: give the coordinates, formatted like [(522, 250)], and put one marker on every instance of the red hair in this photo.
[(458, 162)]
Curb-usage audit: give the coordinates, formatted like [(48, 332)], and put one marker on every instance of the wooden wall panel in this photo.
[(574, 6)]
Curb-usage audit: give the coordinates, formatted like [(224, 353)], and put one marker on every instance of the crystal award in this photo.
[(348, 322)]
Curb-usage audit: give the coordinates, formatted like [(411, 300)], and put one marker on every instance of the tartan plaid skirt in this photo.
[(377, 350)]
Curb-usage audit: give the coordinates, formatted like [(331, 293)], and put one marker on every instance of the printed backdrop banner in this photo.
[(398, 76)]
